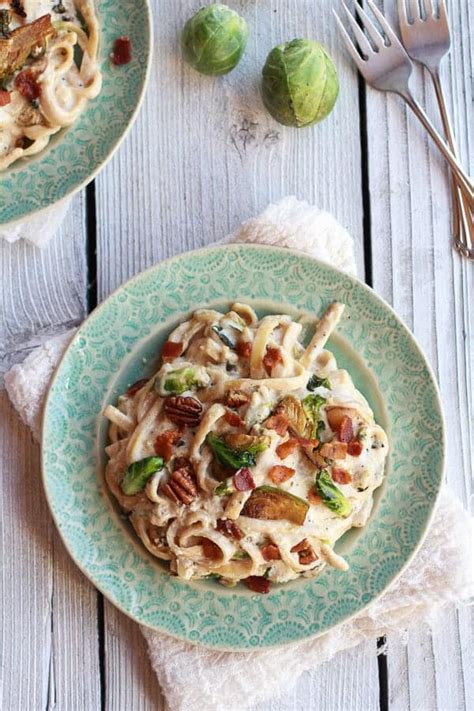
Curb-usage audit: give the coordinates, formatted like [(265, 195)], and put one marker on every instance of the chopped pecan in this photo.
[(271, 358), (171, 349), (243, 479), (5, 97), (164, 443), (279, 423), (181, 487), (270, 552), (258, 584), (279, 473), (180, 462), (286, 448), (341, 476), (233, 419), (229, 528), (136, 386), (243, 349), (334, 450), (183, 410), (236, 398), (355, 447)]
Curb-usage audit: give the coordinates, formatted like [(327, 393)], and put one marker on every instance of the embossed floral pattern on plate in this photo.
[(75, 154), (114, 347)]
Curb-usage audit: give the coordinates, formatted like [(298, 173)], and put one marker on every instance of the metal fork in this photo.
[(427, 40), (387, 67)]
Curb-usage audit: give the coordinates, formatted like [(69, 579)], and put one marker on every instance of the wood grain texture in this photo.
[(431, 288), (49, 621), (49, 642), (203, 157), (42, 292)]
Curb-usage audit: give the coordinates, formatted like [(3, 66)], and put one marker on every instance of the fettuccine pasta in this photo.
[(56, 44), (246, 456)]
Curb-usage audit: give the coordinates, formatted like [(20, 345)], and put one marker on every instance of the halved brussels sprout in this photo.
[(272, 503)]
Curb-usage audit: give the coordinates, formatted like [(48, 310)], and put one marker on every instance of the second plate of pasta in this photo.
[(72, 77), (271, 450)]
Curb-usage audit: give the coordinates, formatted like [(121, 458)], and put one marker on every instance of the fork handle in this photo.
[(463, 217), (462, 177)]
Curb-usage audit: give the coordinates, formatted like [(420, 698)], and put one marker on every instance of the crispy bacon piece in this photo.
[(258, 584), (16, 48), (355, 448), (233, 419), (341, 476), (165, 442), (122, 51), (305, 442), (313, 496), (279, 473), (133, 389), (270, 552), (333, 450), (27, 85), (243, 349), (306, 554), (286, 448), (243, 479), (271, 358), (171, 349), (345, 432), (229, 528), (279, 423), (210, 549), (301, 546), (5, 97)]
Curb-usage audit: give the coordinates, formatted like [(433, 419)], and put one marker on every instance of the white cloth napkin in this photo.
[(193, 677), (38, 229)]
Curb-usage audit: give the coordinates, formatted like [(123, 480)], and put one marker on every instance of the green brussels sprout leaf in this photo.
[(299, 83), (138, 474), (214, 39), (232, 457), (311, 406), (316, 382), (331, 496)]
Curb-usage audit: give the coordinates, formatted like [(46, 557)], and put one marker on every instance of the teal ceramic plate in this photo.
[(118, 344), (76, 154)]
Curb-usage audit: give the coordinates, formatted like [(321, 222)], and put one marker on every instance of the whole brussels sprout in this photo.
[(214, 39), (300, 84)]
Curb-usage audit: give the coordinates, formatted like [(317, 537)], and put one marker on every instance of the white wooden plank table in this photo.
[(202, 157)]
